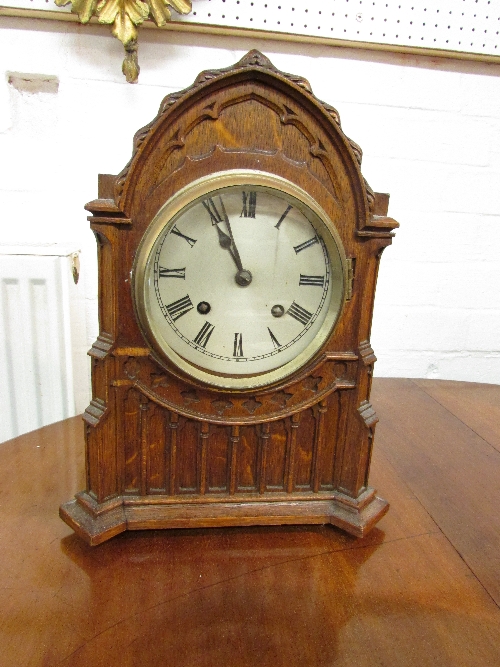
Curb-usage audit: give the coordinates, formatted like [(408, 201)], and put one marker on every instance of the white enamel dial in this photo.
[(240, 284)]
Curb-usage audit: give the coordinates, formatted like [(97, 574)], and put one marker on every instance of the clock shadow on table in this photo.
[(199, 597)]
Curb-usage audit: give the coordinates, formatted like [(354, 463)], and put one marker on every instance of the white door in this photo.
[(43, 357)]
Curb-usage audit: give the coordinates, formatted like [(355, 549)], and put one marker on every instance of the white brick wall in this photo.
[(429, 129)]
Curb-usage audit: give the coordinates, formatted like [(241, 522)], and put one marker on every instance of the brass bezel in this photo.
[(167, 216)]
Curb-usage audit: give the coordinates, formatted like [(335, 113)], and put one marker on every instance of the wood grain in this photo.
[(300, 433), (444, 460), (477, 405), (408, 594)]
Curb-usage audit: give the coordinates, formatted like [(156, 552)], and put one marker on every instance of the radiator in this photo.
[(44, 375)]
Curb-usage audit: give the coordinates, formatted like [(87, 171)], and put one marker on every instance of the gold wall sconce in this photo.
[(124, 16)]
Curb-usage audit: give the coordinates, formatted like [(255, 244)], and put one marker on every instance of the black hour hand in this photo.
[(234, 250), (224, 240)]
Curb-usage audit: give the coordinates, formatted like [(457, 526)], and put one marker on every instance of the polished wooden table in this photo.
[(422, 589)]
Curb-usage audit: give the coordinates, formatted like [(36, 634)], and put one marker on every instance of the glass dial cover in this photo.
[(239, 279)]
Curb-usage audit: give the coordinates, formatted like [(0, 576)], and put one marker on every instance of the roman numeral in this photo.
[(183, 236), (249, 204), (306, 244), (171, 273), (238, 345), (274, 339), (180, 307), (288, 208), (300, 314), (312, 280), (214, 214), (204, 334)]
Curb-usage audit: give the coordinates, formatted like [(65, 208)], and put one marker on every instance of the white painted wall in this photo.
[(429, 129)]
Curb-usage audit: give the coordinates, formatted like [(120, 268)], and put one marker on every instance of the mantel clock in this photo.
[(238, 254)]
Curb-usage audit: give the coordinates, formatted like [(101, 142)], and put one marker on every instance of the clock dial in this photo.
[(240, 284)]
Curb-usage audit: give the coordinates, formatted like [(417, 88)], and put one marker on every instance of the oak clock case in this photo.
[(239, 280), (238, 252)]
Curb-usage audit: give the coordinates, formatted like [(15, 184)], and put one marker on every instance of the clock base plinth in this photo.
[(92, 523), (98, 523)]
